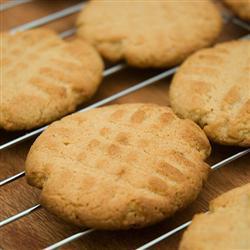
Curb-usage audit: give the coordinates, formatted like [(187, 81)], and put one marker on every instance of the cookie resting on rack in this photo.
[(149, 33), (212, 88), (120, 166), (225, 227), (240, 7), (44, 77)]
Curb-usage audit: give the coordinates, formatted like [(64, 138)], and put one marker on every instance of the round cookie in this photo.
[(149, 33), (44, 77), (120, 166), (226, 226), (240, 7), (212, 88)]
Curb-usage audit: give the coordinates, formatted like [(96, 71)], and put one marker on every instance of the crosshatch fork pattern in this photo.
[(221, 101), (57, 78), (117, 152), (123, 242)]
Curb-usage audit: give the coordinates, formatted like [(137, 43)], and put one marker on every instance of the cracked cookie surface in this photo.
[(44, 77), (120, 166), (212, 88), (226, 225), (149, 33)]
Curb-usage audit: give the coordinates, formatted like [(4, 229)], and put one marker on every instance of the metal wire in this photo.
[(19, 215), (52, 17), (230, 159), (177, 229), (68, 33), (132, 89), (12, 178), (236, 21), (240, 23), (114, 69), (13, 3), (67, 240), (164, 236)]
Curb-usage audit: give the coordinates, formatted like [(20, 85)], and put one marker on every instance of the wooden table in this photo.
[(41, 229)]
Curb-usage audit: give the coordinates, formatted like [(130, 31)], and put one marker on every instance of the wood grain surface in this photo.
[(41, 229)]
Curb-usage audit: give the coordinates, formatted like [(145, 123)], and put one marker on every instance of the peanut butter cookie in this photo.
[(212, 88), (149, 33), (44, 77), (120, 166)]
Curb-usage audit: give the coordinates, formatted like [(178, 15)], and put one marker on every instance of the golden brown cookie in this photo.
[(149, 33), (44, 77), (120, 166), (212, 88), (225, 227), (240, 7)]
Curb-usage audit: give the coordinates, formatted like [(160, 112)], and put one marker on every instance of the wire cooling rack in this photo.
[(109, 71)]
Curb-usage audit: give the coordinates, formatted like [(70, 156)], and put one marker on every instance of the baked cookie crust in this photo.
[(44, 77), (149, 33), (212, 88), (120, 166), (226, 225)]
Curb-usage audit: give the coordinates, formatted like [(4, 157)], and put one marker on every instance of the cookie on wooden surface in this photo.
[(120, 166), (149, 33), (240, 7), (225, 227), (44, 77), (212, 88)]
